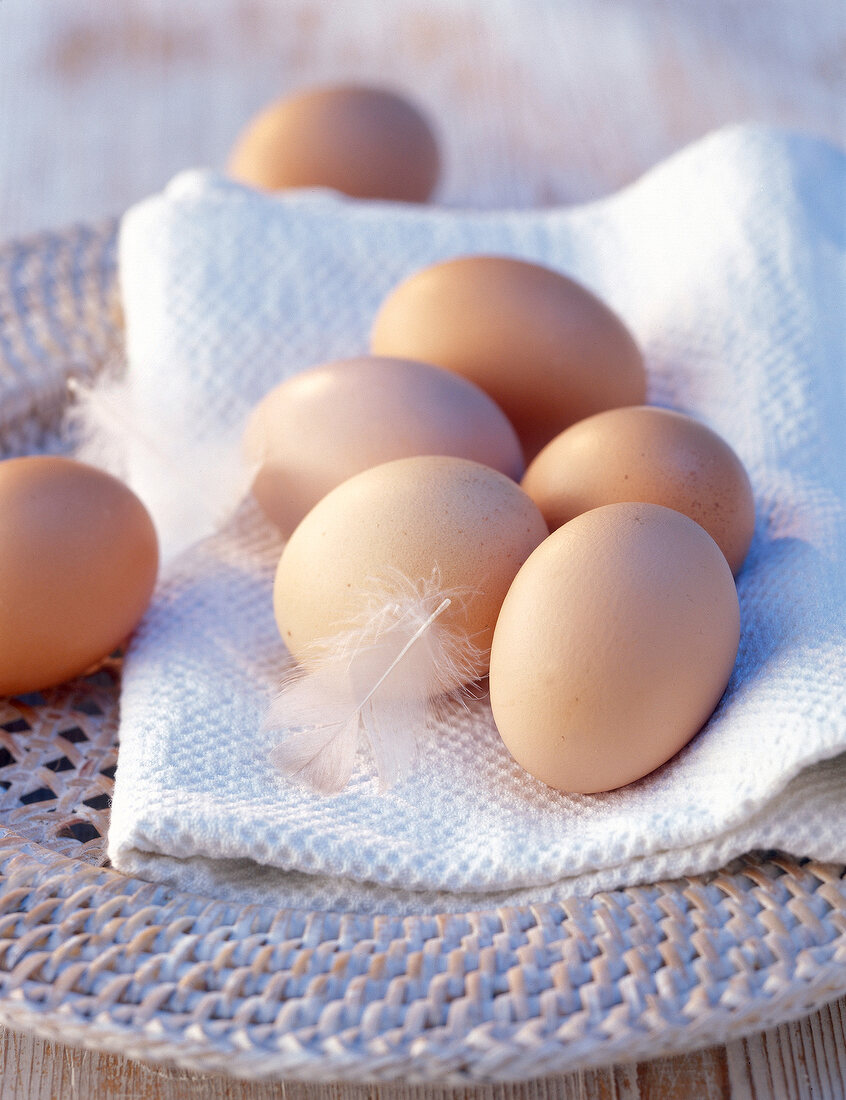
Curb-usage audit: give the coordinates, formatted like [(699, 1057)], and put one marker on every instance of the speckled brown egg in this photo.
[(320, 427), (469, 525), (647, 454), (366, 142), (545, 348), (613, 646), (78, 563)]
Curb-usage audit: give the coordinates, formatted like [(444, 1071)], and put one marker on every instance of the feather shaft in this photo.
[(418, 634)]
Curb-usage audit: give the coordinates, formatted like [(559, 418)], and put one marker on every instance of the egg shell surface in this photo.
[(369, 143), (328, 423), (78, 563), (652, 455), (471, 524), (613, 646), (545, 348)]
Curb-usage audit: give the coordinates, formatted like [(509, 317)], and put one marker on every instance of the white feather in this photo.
[(382, 677), (98, 421), (190, 485), (324, 754)]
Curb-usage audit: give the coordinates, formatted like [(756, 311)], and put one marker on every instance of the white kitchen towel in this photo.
[(728, 262)]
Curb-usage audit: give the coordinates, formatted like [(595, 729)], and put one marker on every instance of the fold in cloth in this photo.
[(728, 263)]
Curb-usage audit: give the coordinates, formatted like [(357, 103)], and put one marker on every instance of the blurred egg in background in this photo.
[(102, 103)]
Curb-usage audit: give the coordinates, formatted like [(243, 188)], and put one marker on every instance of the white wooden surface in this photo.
[(536, 101)]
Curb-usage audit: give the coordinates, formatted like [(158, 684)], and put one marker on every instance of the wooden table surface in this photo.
[(536, 103)]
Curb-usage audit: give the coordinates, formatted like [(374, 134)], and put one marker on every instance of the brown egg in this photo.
[(647, 454), (546, 350), (613, 646), (412, 518), (366, 142), (320, 427), (78, 562)]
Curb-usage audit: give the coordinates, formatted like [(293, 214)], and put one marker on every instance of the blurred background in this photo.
[(535, 101)]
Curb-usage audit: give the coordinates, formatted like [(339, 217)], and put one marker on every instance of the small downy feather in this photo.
[(190, 485), (382, 678)]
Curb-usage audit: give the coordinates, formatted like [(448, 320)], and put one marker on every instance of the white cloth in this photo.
[(728, 262)]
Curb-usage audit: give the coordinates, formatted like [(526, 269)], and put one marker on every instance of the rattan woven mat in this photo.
[(89, 956)]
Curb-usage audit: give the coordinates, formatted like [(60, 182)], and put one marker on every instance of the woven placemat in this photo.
[(89, 956)]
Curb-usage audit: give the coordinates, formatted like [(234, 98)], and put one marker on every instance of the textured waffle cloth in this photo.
[(728, 262)]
